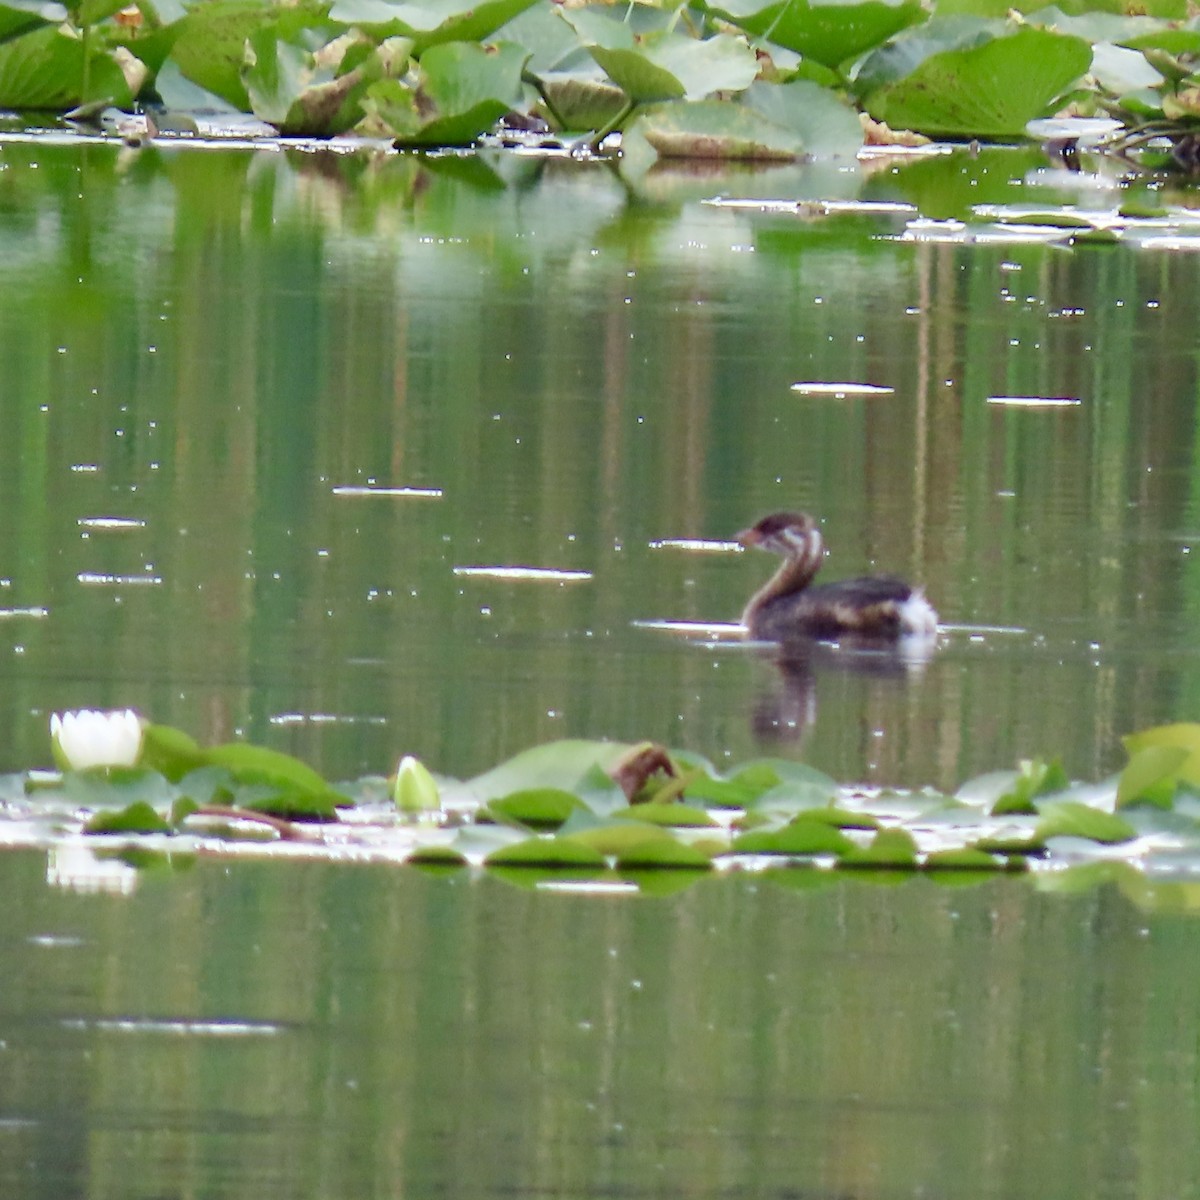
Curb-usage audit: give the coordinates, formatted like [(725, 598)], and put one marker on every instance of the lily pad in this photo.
[(1151, 776), (664, 853), (546, 852), (1182, 734), (987, 91), (138, 817), (1068, 818), (894, 849), (1033, 778), (677, 815), (561, 764), (540, 808), (117, 787), (826, 125), (712, 129), (966, 859), (800, 836), (828, 31), (430, 22), (44, 69)]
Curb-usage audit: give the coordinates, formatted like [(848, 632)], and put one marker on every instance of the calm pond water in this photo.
[(202, 350), (271, 417), (307, 1030)]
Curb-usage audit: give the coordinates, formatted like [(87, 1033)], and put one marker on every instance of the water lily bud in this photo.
[(415, 790), (88, 738)]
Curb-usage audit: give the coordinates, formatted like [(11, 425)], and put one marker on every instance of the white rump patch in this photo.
[(917, 615)]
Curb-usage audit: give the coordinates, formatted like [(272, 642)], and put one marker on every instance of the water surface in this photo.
[(265, 408), (301, 1029)]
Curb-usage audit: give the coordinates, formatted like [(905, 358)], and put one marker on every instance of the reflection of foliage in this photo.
[(565, 806)]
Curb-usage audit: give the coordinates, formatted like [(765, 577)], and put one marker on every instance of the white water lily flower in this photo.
[(88, 738)]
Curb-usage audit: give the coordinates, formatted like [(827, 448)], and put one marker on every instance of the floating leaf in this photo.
[(260, 764), (539, 808), (616, 838), (44, 69), (1033, 778), (1151, 776), (464, 91), (966, 859), (987, 91), (827, 31), (892, 848), (1068, 818), (680, 815), (562, 764), (712, 129), (138, 817), (170, 751), (663, 852), (25, 15), (1184, 734), (430, 22), (117, 787), (800, 836), (211, 47), (826, 125), (546, 852)]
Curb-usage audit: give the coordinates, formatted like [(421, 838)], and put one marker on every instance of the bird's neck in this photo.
[(794, 575)]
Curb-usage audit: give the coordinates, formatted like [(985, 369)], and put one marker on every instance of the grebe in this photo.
[(787, 608)]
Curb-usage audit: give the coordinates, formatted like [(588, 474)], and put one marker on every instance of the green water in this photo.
[(207, 343), (201, 349), (304, 1030)]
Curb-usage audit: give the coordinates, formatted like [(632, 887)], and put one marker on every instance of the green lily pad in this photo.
[(315, 94), (828, 31), (799, 836), (711, 129), (678, 815), (984, 91), (580, 102), (663, 853), (894, 849), (561, 764), (21, 16), (138, 817), (616, 838), (546, 852), (661, 64), (171, 752), (966, 859), (465, 90), (117, 787), (1151, 777), (1068, 818), (826, 125), (1183, 734), (210, 46), (540, 808), (1033, 778), (248, 763), (43, 69), (430, 22)]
